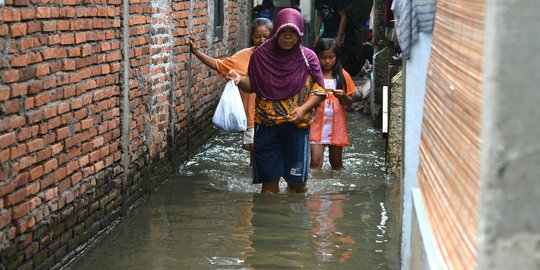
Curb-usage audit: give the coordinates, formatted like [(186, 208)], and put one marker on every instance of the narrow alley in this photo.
[(109, 158), (210, 216)]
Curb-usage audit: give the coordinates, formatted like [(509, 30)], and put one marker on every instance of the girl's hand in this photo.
[(339, 93), (296, 116), (234, 76), (342, 97)]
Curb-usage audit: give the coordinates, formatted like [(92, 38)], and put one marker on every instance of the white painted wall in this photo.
[(415, 88), (305, 8), (424, 255)]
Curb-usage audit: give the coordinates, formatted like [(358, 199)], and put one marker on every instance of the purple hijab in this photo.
[(276, 73)]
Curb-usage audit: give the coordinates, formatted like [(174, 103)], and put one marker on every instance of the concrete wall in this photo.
[(424, 254), (96, 99), (415, 70), (509, 220), (244, 29), (395, 125), (382, 57)]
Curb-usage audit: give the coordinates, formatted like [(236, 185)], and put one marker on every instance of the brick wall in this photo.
[(93, 108)]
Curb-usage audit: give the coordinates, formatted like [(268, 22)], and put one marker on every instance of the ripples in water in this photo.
[(210, 216)]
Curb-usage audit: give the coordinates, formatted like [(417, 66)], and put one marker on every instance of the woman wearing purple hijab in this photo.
[(287, 79)]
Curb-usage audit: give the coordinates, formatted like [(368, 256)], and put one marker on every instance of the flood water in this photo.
[(210, 216)]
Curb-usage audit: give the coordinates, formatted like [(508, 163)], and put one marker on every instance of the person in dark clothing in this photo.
[(331, 15), (264, 10)]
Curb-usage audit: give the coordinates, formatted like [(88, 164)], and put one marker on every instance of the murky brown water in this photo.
[(210, 216)]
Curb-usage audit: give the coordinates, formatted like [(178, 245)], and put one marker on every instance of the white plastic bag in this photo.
[(230, 115)]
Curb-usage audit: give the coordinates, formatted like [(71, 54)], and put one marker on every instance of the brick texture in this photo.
[(65, 139)]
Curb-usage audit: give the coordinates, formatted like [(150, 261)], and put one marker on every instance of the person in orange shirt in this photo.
[(330, 125), (260, 30)]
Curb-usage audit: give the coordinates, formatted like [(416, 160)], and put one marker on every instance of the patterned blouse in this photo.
[(275, 112)]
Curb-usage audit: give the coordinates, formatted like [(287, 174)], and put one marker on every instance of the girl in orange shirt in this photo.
[(330, 125)]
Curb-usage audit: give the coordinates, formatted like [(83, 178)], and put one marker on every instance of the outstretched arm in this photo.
[(205, 59)]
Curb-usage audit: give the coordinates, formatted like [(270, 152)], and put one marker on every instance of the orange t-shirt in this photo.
[(239, 62)]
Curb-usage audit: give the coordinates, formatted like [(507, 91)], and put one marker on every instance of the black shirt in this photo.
[(329, 11)]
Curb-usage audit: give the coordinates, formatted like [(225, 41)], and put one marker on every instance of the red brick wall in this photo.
[(83, 130)]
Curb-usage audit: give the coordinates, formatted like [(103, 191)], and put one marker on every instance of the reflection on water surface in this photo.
[(210, 216)]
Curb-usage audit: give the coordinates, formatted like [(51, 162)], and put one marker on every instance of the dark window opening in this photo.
[(218, 20)]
